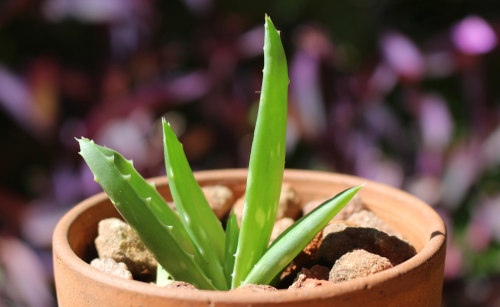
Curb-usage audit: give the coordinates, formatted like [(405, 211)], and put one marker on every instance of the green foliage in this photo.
[(140, 204), (191, 245), (289, 244), (200, 222), (267, 158)]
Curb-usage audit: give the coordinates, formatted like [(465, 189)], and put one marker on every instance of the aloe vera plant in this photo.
[(191, 244)]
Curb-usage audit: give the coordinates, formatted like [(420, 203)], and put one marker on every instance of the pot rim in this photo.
[(431, 249)]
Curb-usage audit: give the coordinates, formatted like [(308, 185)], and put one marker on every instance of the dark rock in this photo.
[(306, 258), (340, 238)]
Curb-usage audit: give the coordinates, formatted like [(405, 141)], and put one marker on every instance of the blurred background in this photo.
[(404, 92)]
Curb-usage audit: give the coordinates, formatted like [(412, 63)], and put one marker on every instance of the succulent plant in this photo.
[(192, 244)]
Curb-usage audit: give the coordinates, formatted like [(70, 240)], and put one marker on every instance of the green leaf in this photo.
[(296, 237), (232, 232), (201, 223), (267, 158), (140, 204), (163, 277)]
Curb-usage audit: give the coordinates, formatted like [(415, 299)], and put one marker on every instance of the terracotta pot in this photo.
[(417, 281)]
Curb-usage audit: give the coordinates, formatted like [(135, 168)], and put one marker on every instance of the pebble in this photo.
[(112, 267), (118, 241), (220, 198), (358, 263)]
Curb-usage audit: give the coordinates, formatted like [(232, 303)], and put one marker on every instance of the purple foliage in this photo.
[(405, 105)]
